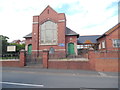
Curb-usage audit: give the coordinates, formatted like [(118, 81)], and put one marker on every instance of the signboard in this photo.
[(11, 48), (61, 44)]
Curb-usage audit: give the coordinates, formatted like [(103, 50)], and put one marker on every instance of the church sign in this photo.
[(61, 44), (11, 48)]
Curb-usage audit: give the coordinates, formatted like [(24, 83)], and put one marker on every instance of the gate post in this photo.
[(45, 58), (22, 58)]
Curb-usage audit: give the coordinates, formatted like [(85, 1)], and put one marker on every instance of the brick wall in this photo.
[(10, 63), (81, 65), (98, 61), (14, 63), (48, 14), (109, 40), (104, 61)]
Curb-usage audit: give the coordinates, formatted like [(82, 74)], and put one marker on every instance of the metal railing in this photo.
[(9, 56), (65, 56)]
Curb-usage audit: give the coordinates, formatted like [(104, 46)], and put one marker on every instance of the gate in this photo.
[(34, 60)]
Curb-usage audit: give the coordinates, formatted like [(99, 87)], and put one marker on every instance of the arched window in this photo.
[(52, 50), (48, 33)]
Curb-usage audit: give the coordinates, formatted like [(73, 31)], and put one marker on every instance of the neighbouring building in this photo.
[(49, 32), (86, 43), (18, 41), (110, 40)]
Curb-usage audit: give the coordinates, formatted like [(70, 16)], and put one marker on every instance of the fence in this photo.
[(67, 56), (9, 56), (33, 59)]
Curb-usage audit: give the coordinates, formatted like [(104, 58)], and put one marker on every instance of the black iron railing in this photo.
[(9, 56)]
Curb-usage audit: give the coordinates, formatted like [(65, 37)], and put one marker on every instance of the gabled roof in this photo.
[(47, 8), (16, 41), (110, 31), (68, 32), (88, 39)]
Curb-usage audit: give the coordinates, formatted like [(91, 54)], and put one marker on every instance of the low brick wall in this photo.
[(82, 65), (10, 63), (14, 63), (98, 61), (105, 61)]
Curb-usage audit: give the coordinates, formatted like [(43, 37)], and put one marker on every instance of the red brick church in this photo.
[(49, 32)]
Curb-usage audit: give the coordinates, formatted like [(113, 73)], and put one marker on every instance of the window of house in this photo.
[(116, 43), (100, 46), (103, 44), (48, 33)]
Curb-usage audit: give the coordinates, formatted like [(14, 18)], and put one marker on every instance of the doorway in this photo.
[(71, 48), (29, 48)]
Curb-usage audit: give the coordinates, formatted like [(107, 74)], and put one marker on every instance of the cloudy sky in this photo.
[(86, 17)]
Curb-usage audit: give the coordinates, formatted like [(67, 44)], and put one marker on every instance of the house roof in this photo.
[(15, 41), (28, 36), (68, 32), (110, 31), (88, 39)]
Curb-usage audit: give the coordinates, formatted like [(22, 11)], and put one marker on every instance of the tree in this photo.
[(3, 44)]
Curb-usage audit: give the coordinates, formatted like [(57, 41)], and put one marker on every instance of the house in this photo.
[(110, 40), (16, 41), (49, 32)]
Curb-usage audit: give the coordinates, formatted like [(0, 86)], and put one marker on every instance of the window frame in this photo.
[(116, 45), (103, 44), (54, 30)]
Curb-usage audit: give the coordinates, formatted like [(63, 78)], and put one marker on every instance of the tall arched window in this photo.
[(48, 33)]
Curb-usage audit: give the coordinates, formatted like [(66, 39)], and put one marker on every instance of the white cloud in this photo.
[(16, 16)]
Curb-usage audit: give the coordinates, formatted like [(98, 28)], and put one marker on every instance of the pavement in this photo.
[(60, 71)]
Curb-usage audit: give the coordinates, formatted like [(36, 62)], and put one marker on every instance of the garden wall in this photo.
[(14, 63)]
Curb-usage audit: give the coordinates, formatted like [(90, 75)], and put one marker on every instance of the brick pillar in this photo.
[(92, 59), (22, 58), (45, 58)]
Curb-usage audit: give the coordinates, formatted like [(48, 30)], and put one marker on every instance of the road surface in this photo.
[(51, 78)]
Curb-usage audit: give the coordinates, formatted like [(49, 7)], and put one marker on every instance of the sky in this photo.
[(86, 17)]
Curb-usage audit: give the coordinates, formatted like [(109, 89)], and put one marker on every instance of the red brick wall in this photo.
[(44, 16), (28, 41), (72, 40), (97, 61), (104, 61), (35, 37), (18, 63), (108, 39), (10, 63), (81, 65)]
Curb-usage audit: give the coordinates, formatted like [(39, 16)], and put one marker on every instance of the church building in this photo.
[(49, 32)]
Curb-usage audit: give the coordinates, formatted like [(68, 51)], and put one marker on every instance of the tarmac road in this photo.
[(53, 78)]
